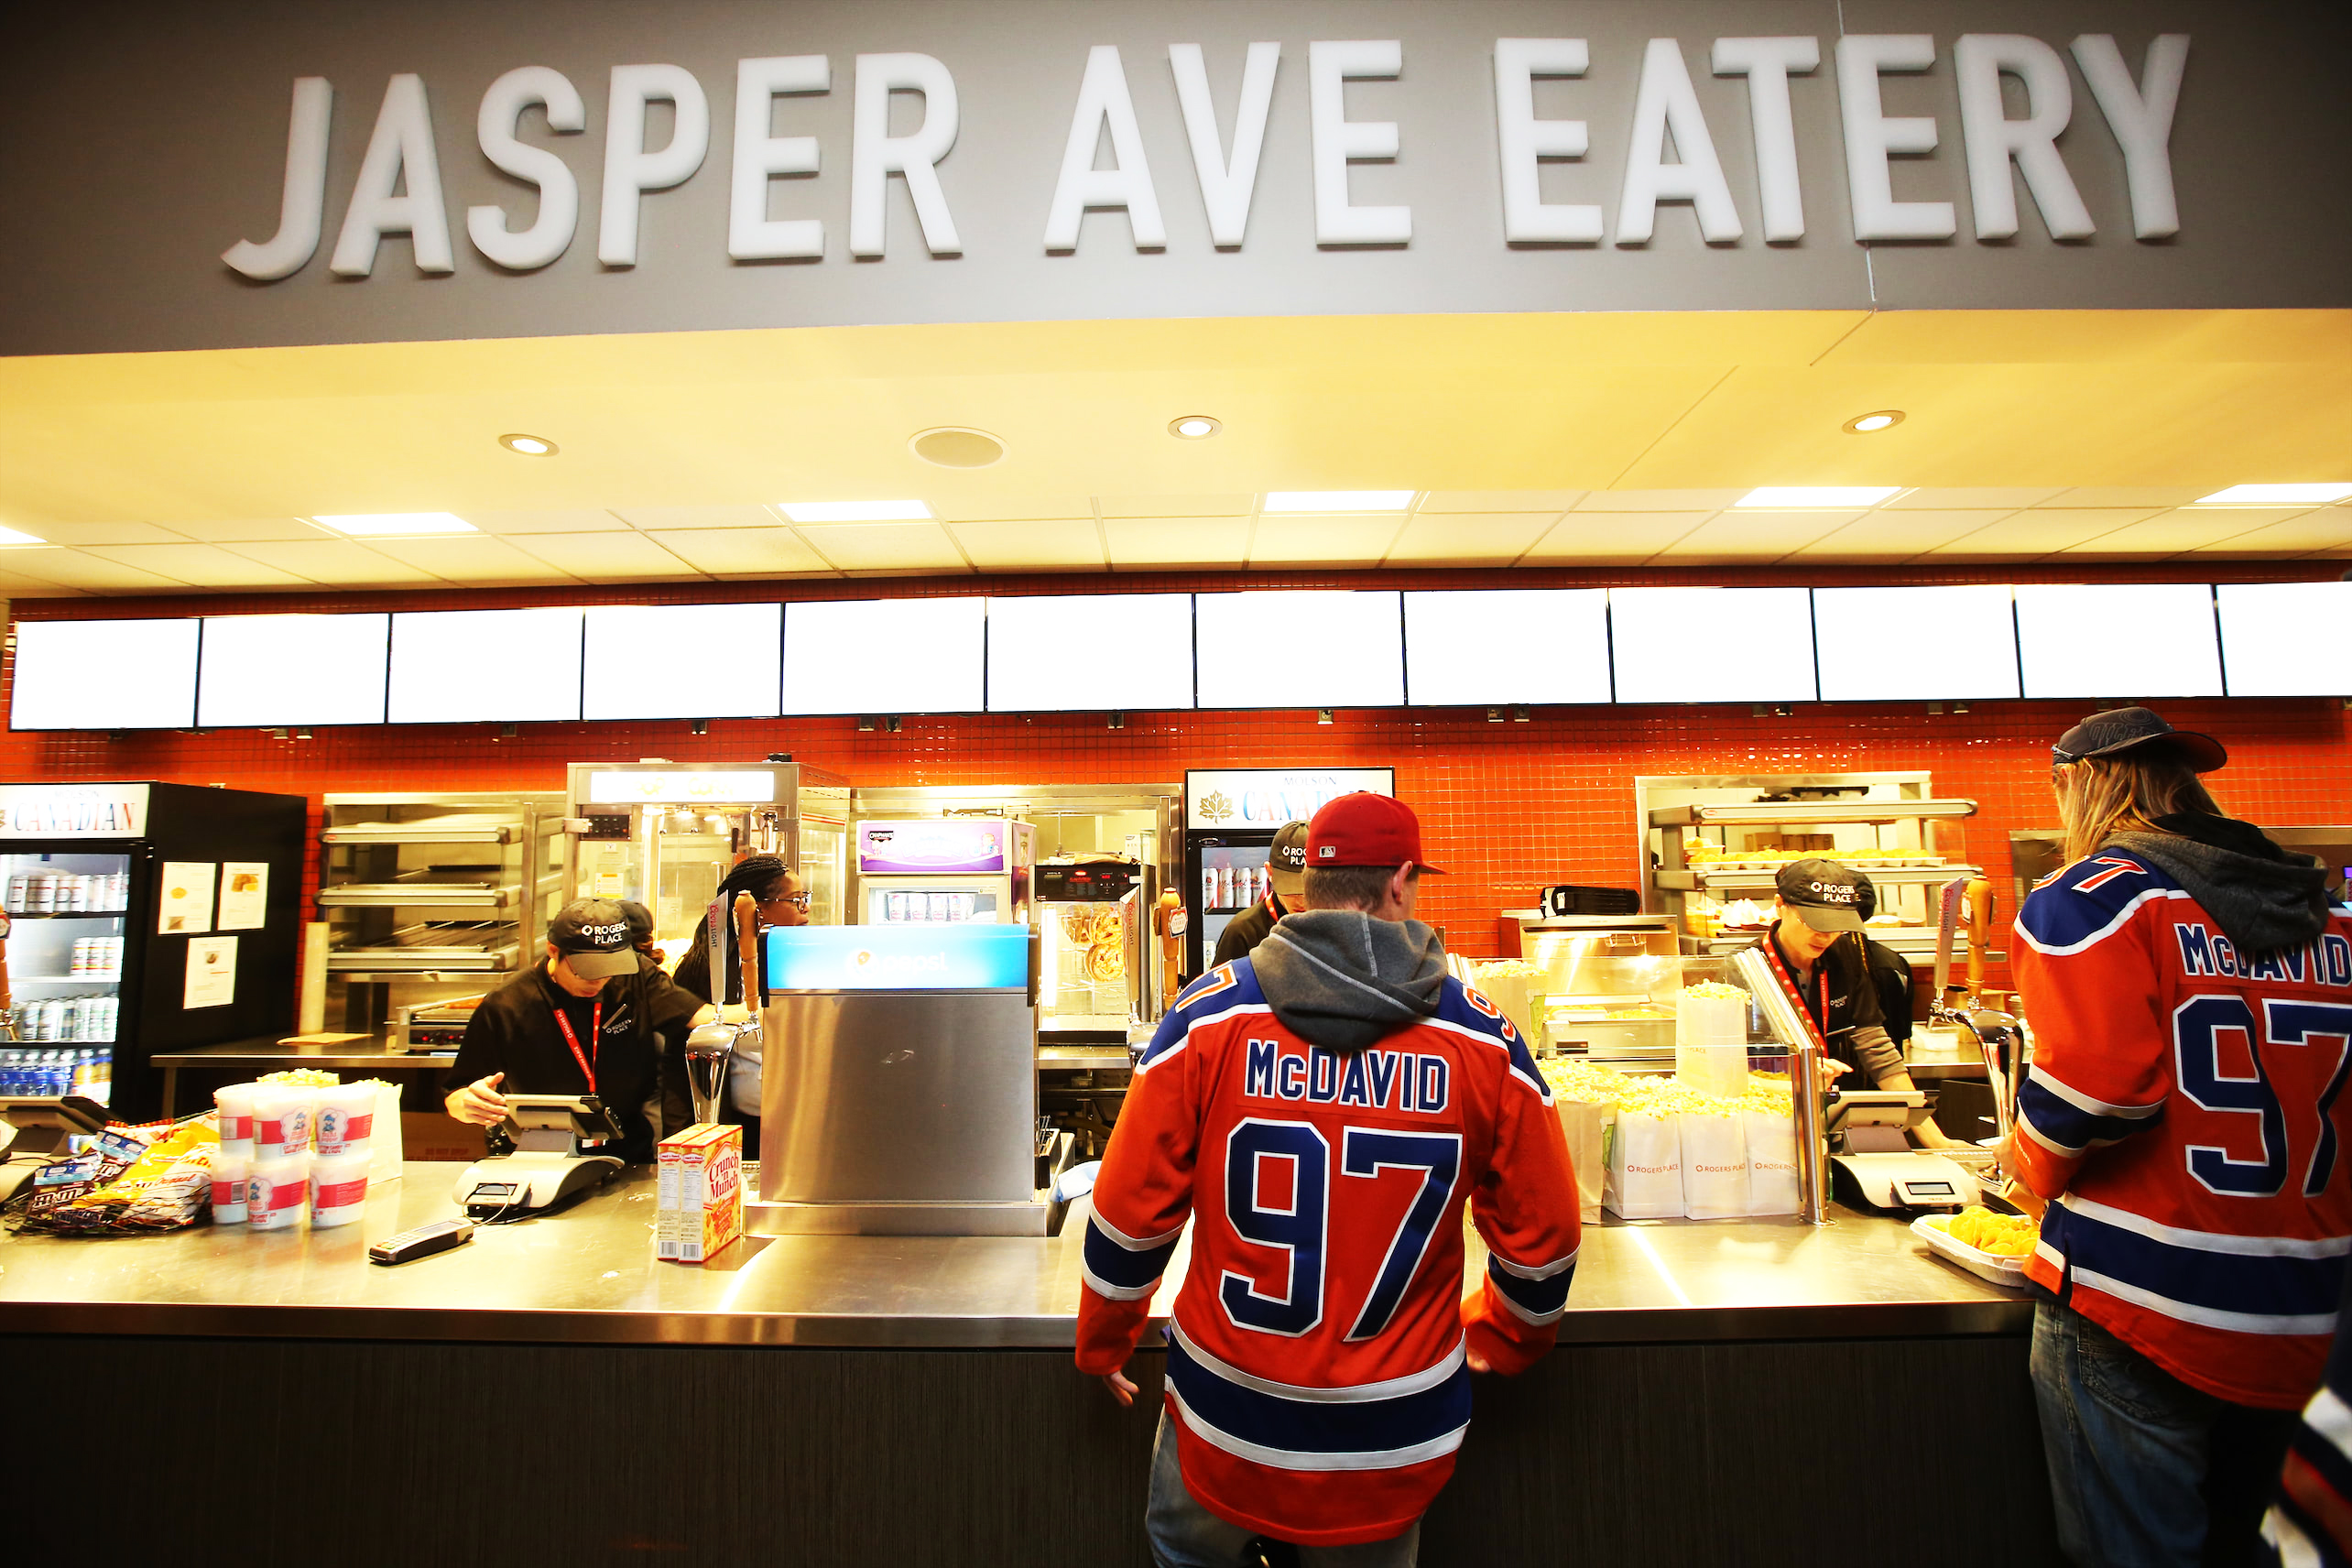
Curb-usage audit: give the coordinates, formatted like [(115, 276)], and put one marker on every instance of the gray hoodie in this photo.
[(1344, 980), (2264, 897)]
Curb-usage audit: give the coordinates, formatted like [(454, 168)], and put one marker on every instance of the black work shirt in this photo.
[(1891, 976), (1245, 931), (514, 1031), (1843, 1003)]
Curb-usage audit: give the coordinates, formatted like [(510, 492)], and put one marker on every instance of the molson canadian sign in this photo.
[(72, 810), (1259, 800)]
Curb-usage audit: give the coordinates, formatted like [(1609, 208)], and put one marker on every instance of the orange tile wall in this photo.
[(1506, 808)]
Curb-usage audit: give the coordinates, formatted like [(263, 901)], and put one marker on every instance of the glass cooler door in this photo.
[(65, 969)]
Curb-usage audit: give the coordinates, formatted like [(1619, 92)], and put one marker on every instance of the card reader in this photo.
[(422, 1241)]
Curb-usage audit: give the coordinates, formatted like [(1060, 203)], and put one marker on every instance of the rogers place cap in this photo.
[(1365, 829), (1286, 863), (1826, 895), (2125, 729), (593, 934)]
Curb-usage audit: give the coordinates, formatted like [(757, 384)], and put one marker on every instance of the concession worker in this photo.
[(1285, 869), (586, 1021)]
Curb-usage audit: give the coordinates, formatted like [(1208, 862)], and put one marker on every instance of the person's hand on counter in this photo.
[(1121, 1389), (479, 1102)]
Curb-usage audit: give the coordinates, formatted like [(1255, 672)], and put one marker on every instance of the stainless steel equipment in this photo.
[(1086, 914), (1605, 983), (1804, 1079)]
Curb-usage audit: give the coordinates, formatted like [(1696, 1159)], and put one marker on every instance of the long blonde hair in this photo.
[(2102, 795)]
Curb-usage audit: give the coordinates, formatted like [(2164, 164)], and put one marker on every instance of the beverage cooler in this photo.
[(1231, 815), (143, 917), (1088, 913), (943, 871)]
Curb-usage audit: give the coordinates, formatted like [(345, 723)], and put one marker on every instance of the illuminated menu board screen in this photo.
[(293, 669), (2286, 640), (1712, 645), (884, 656), (104, 675), (1513, 645), (1047, 655), (2118, 639), (1891, 645), (455, 666), (1305, 649)]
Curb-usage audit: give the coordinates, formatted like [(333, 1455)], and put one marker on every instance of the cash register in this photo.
[(1872, 1158), (561, 1148), (41, 1127)]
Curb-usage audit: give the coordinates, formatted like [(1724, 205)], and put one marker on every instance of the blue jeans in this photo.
[(2146, 1472), (1186, 1535)]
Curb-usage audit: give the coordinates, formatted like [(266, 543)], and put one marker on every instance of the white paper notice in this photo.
[(187, 901), (212, 973), (245, 894)]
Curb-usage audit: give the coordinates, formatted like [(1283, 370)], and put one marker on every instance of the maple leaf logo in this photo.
[(1215, 806)]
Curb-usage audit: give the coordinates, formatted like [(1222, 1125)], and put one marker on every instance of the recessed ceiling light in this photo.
[(19, 536), (1864, 424), (397, 523), (957, 446), (1338, 500), (2277, 495), (855, 511), (528, 446), (1814, 498), (1194, 427)]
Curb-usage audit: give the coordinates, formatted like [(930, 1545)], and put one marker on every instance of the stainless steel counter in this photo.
[(589, 1276)]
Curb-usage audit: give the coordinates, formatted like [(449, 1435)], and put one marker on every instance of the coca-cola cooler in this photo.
[(143, 917), (1231, 815)]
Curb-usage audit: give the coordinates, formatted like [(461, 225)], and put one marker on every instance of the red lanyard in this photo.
[(586, 1059), (1788, 983)]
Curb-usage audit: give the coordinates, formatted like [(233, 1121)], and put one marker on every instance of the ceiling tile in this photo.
[(1755, 536), (887, 546), (1499, 500), (1468, 538), (583, 520), (471, 557), (996, 509), (24, 587), (76, 568), (2043, 531), (601, 557), (1885, 535), (2130, 495), (1311, 540), (200, 565), (1611, 538), (1174, 506), (1657, 500), (650, 518), (1191, 541), (336, 562), (240, 531), (1982, 499), (2247, 519), (2170, 533), (2328, 529), (744, 552), (1055, 544), (80, 534)]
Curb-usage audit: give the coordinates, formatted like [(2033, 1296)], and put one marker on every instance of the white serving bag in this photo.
[(1714, 1166), (1645, 1168), (384, 1140), (1585, 1124), (1771, 1162)]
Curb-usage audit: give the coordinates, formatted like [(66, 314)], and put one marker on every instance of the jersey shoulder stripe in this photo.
[(1119, 1269), (2089, 901), (1226, 989), (2068, 1122), (1461, 1011)]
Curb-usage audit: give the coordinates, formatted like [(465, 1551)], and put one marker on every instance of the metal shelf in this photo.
[(1773, 813), (432, 829), (1762, 881), (417, 895), (114, 979)]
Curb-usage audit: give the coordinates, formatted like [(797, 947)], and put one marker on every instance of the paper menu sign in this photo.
[(186, 898), (212, 973), (245, 894)]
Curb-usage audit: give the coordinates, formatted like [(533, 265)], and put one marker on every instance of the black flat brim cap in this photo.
[(2120, 730)]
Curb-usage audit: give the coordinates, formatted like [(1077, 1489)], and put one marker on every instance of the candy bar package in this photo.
[(128, 1179)]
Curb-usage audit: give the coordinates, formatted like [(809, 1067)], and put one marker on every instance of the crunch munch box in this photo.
[(701, 1194)]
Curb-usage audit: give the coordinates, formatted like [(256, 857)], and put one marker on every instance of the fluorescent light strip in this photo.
[(2277, 495), (1338, 500), (1801, 497), (19, 536), (374, 523), (855, 511)]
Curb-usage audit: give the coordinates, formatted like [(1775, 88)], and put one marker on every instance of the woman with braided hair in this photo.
[(782, 901)]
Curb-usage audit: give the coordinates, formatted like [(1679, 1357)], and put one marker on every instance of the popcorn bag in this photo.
[(1586, 1125), (1645, 1167), (1771, 1161), (1714, 1164)]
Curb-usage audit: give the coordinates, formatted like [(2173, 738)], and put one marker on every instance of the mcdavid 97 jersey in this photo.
[(1315, 1362)]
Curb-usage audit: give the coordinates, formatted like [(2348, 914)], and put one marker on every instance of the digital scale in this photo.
[(1878, 1165)]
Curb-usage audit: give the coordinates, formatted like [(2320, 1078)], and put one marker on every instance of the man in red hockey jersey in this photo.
[(2190, 989), (1321, 1111)]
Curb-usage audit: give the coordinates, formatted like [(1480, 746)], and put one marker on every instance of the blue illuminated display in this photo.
[(899, 958)]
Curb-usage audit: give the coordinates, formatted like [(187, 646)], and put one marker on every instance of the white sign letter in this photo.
[(1528, 141), (1103, 100), (1992, 138), (1870, 137), (1666, 102), (629, 170), (304, 201), (1768, 64), (752, 235), (1225, 185), (2142, 119), (874, 154), (402, 145), (559, 204), (1330, 67)]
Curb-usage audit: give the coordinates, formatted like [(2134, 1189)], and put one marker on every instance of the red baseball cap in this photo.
[(1365, 829)]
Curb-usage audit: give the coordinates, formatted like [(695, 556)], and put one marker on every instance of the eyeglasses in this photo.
[(798, 900)]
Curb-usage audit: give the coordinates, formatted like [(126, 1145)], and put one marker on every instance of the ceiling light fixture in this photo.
[(1194, 427), (19, 536), (2277, 495), (855, 511), (527, 446), (1338, 500), (956, 446), (396, 523), (1817, 497), (1865, 424)]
